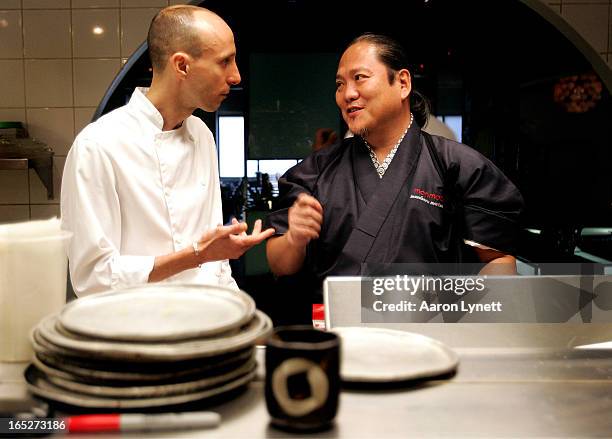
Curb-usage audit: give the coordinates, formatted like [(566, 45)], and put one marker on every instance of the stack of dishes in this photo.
[(148, 346)]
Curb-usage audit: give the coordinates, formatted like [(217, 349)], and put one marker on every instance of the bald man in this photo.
[(140, 189)]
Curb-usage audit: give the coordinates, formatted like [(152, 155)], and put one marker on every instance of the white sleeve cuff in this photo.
[(225, 275), (131, 270)]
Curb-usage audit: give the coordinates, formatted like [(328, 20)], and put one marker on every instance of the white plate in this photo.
[(158, 312), (47, 339), (151, 391), (376, 355), (40, 386), (100, 371)]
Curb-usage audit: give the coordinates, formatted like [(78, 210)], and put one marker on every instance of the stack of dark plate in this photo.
[(149, 346)]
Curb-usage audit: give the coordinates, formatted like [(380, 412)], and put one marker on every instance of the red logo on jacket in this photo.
[(428, 197)]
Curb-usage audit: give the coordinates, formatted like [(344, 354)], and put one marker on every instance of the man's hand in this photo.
[(230, 242), (286, 253), (222, 242), (305, 219)]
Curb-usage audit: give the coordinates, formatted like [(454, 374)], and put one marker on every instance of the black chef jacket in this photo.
[(416, 213)]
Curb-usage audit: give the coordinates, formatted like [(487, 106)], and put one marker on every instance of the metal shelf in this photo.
[(40, 159)]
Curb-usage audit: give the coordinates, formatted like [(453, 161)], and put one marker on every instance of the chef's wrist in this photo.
[(198, 254), (293, 244)]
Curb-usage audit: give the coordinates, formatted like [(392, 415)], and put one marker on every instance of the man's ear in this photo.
[(179, 62), (405, 82)]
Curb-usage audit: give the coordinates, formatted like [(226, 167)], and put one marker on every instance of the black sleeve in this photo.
[(491, 203), (299, 179), (302, 178)]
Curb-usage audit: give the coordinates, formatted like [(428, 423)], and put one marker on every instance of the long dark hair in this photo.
[(392, 54)]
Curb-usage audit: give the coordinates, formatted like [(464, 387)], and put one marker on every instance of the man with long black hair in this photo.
[(392, 193)]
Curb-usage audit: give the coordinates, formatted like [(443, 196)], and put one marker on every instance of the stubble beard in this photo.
[(363, 133)]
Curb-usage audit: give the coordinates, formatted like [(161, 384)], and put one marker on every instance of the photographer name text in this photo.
[(424, 306)]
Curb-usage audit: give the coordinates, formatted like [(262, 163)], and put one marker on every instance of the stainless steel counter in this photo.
[(496, 392)]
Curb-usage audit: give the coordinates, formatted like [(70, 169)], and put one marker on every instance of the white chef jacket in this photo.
[(131, 191)]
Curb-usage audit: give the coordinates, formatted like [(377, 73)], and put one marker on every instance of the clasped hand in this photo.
[(305, 219), (230, 242)]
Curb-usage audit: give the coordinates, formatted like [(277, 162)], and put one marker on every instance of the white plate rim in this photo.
[(79, 400), (259, 326), (86, 373), (236, 297), (151, 391)]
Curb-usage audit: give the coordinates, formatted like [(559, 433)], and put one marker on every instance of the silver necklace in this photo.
[(381, 168)]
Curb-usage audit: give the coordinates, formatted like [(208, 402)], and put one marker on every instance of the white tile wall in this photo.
[(13, 114), (63, 67), (11, 83), (46, 4), (14, 213), (54, 126), (143, 3), (11, 4), (134, 27), (47, 211), (92, 78), (95, 4), (14, 187), (82, 116), (591, 21), (48, 82), (46, 33), (10, 34), (95, 33)]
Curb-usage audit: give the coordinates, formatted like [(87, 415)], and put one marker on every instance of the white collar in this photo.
[(141, 103)]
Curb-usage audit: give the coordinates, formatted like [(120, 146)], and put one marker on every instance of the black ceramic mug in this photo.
[(302, 377)]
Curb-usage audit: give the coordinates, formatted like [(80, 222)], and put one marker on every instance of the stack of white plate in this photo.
[(149, 346)]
